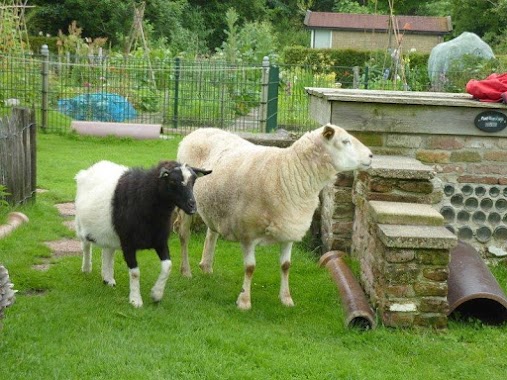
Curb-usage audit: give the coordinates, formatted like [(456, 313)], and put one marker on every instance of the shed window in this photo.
[(321, 38)]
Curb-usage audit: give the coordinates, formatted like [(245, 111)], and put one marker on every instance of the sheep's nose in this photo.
[(191, 205)]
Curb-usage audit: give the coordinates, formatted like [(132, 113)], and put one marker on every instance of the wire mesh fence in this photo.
[(179, 95)]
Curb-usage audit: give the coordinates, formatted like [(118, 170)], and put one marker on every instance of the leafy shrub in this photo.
[(469, 67)]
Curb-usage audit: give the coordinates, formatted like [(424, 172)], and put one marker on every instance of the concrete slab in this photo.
[(400, 167), (405, 213), (432, 237)]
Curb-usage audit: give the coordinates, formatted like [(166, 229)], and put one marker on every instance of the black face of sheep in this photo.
[(178, 183)]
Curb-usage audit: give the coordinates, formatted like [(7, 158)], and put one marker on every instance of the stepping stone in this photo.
[(64, 247), (70, 224), (66, 209)]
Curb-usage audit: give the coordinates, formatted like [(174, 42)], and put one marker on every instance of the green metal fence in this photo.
[(180, 95)]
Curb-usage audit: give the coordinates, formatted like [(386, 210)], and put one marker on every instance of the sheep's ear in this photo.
[(328, 132), (163, 173), (201, 172)]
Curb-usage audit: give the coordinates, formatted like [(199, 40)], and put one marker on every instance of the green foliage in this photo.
[(249, 43), (4, 205), (469, 67), (350, 6), (409, 72), (36, 43)]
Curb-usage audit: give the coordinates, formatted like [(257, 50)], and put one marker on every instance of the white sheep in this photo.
[(262, 195), (118, 207)]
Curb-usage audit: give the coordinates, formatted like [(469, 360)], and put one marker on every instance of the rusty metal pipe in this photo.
[(473, 290), (14, 220), (358, 312)]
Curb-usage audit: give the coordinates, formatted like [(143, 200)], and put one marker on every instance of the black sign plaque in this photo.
[(491, 121)]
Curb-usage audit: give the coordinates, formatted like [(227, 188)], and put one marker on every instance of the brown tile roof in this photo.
[(352, 21)]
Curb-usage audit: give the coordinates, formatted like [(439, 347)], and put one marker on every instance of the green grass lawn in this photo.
[(67, 325)]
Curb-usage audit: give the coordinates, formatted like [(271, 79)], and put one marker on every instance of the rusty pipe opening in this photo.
[(473, 290), (358, 313)]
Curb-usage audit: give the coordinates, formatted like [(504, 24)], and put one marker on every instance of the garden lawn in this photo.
[(68, 325)]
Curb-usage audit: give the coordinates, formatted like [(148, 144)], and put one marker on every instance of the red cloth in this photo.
[(490, 89)]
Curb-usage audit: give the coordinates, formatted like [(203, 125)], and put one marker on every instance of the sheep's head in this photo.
[(347, 152), (178, 183)]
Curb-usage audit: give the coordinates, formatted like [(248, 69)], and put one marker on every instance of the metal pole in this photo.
[(264, 94), (176, 91), (45, 85)]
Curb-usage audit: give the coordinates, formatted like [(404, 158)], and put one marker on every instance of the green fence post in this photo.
[(272, 106), (263, 109), (366, 77), (176, 91), (44, 50)]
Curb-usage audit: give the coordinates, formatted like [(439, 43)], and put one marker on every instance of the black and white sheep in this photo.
[(262, 195), (130, 209)]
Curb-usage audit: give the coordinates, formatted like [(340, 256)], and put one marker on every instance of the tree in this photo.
[(98, 18)]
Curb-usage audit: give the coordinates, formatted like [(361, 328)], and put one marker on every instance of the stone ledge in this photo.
[(399, 167), (405, 213), (400, 236)]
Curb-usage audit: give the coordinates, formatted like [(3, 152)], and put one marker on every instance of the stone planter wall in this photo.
[(401, 242), (439, 130)]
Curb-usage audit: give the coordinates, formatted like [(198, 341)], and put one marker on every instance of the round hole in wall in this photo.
[(501, 205), (463, 216), (465, 233), (480, 191), (471, 203), (486, 204), (450, 228), (479, 217), (494, 192), (449, 190), (494, 218), (483, 234), (448, 214), (457, 200), (467, 189), (500, 233)]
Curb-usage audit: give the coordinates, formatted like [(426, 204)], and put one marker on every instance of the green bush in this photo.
[(36, 43), (470, 67)]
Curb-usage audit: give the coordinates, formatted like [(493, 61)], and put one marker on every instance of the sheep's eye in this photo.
[(345, 141)]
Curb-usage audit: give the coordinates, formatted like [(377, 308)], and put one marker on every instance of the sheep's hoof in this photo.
[(136, 302), (186, 273), (86, 269), (111, 283), (156, 295), (287, 302), (208, 269), (243, 303)]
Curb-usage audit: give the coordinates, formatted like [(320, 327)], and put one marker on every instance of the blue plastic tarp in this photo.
[(101, 106)]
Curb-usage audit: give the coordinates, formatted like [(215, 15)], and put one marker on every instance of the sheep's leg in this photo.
[(208, 252), (108, 266), (134, 274), (86, 266), (157, 292), (244, 299), (182, 227), (285, 256)]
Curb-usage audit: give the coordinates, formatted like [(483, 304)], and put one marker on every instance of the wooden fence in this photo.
[(18, 156)]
